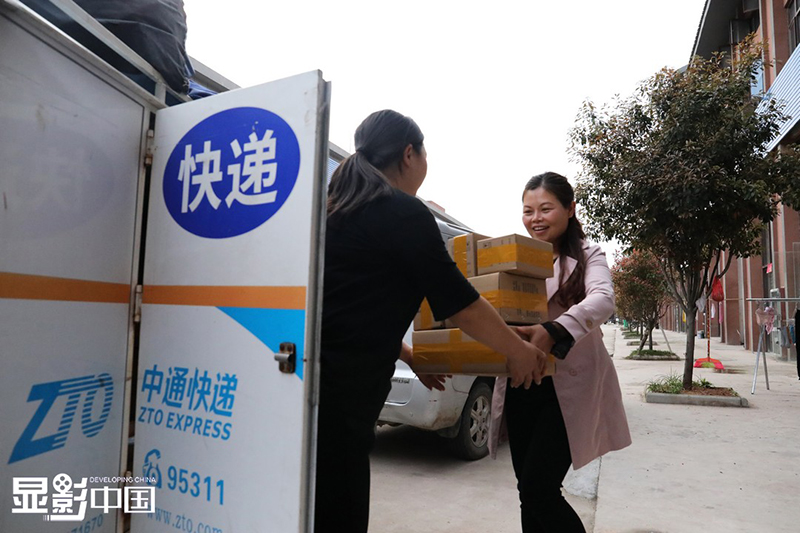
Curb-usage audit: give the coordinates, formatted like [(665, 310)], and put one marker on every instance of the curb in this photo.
[(653, 358), (695, 399)]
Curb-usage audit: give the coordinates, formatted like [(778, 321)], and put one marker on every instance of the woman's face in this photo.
[(416, 167), (544, 216), (420, 161)]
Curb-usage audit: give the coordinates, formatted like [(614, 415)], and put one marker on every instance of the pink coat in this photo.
[(586, 382)]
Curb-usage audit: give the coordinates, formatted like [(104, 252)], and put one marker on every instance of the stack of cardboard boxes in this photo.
[(509, 272)]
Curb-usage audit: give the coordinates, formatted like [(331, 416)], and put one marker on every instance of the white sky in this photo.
[(495, 86)]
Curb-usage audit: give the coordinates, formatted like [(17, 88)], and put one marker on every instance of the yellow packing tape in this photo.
[(516, 300), (457, 354), (425, 315), (514, 252), (460, 252)]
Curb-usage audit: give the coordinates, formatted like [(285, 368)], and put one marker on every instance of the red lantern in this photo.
[(717, 294)]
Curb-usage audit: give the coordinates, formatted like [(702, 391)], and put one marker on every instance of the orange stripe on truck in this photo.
[(31, 287), (227, 296)]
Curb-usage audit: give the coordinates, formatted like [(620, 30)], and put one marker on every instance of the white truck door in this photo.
[(232, 276), (71, 159)]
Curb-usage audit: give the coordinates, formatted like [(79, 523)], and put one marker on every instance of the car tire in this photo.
[(472, 441)]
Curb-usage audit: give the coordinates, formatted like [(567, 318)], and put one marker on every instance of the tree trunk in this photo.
[(642, 340), (691, 335), (650, 335)]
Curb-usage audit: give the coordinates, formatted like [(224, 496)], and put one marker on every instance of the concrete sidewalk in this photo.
[(703, 469)]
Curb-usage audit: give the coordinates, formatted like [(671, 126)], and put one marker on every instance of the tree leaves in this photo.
[(679, 168), (639, 286)]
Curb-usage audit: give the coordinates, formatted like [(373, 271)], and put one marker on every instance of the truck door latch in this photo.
[(286, 357)]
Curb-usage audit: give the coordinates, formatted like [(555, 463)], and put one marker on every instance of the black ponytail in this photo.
[(380, 141)]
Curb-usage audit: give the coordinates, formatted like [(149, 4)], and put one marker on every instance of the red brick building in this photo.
[(776, 272)]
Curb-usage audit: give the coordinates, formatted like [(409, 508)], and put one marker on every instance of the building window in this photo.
[(757, 84), (793, 14)]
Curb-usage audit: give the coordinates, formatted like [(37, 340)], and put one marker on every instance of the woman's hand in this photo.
[(527, 365), (433, 381), (537, 336)]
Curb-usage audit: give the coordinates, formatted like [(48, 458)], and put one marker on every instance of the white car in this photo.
[(461, 412)]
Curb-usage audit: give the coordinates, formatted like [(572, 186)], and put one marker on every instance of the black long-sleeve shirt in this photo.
[(380, 262)]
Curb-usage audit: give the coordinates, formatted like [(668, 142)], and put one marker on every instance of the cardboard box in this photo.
[(451, 351), (516, 254), (518, 299), (423, 320), (464, 251)]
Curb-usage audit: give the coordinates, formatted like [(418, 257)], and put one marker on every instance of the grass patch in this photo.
[(673, 384), (645, 351), (630, 335), (637, 341)]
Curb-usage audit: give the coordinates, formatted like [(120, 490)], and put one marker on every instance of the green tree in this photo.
[(679, 168), (623, 302), (641, 291)]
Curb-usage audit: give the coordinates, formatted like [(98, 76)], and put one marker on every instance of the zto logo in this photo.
[(85, 387), (231, 172)]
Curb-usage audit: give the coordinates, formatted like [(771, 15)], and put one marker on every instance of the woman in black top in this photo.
[(383, 255)]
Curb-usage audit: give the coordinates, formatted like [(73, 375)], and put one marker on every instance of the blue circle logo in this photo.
[(231, 172)]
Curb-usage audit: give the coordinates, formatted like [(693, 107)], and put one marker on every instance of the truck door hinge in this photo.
[(148, 148), (286, 357), (137, 304)]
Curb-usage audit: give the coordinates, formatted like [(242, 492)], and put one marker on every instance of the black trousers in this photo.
[(345, 437), (541, 457)]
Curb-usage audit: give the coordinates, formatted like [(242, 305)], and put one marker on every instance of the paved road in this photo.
[(690, 469), (705, 469), (418, 487)]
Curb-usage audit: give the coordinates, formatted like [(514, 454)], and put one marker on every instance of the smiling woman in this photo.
[(577, 414)]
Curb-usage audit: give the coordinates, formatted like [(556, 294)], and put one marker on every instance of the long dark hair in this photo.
[(573, 290), (380, 141)]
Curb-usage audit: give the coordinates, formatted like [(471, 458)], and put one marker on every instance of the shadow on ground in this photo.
[(409, 444)]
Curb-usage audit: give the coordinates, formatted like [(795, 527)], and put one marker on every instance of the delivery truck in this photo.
[(160, 284)]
